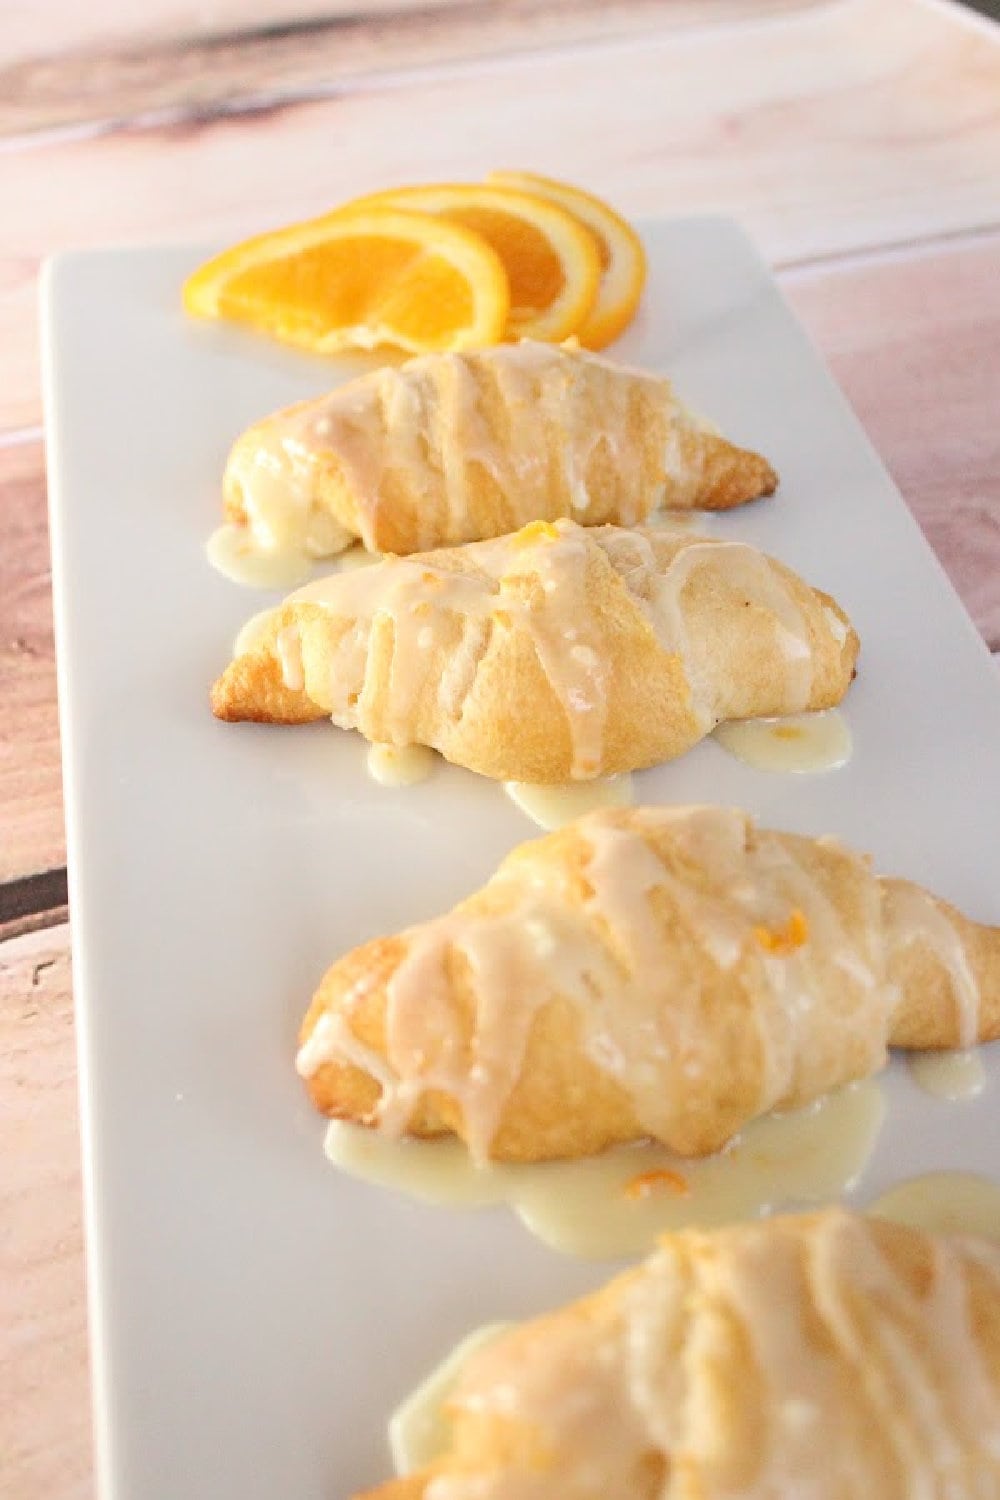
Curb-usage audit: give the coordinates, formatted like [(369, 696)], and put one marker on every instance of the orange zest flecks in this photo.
[(661, 1179), (788, 732), (781, 941)]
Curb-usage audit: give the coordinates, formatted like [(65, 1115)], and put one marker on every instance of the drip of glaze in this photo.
[(619, 1203), (616, 963), (810, 1333), (420, 1428), (234, 552), (554, 806), (437, 425), (354, 557), (253, 633), (944, 1203), (440, 620), (400, 765), (948, 1075), (682, 520), (798, 743)]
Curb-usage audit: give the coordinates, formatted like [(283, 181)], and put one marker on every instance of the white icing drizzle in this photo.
[(451, 447), (679, 899), (356, 557), (633, 978), (418, 435), (797, 743), (540, 580), (233, 551), (836, 624), (289, 647), (678, 520), (333, 1037), (555, 806), (620, 1202), (948, 1075), (400, 765), (270, 476), (944, 1203), (794, 1358), (419, 1428), (461, 611), (750, 570), (253, 634), (737, 567), (914, 916)]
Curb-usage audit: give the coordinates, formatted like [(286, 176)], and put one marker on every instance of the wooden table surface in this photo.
[(857, 140)]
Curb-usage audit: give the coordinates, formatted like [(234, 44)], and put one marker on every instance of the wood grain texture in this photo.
[(44, 1399), (914, 339), (31, 824), (855, 124), (118, 23), (235, 60)]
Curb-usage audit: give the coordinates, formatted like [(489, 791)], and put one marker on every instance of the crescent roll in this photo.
[(452, 448), (557, 653), (828, 1356), (664, 972)]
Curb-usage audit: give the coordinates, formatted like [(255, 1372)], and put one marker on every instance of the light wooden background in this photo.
[(857, 140)]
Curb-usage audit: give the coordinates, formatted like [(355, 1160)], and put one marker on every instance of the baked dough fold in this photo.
[(452, 448), (829, 1356), (664, 972), (557, 653)]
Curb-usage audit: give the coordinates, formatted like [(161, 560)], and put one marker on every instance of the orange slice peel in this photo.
[(552, 260), (623, 259)]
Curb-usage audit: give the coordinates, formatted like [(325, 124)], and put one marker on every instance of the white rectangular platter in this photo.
[(255, 1314)]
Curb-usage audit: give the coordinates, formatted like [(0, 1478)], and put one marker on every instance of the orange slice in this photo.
[(360, 280), (623, 260), (552, 261)]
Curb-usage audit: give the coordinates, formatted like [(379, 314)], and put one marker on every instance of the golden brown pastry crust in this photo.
[(826, 1355), (931, 1016), (629, 646), (775, 969), (453, 448)]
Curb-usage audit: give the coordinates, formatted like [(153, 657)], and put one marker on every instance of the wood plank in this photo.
[(118, 23), (31, 825), (858, 124), (44, 1397), (213, 66), (914, 339)]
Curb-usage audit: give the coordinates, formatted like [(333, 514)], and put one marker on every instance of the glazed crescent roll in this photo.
[(452, 448), (828, 1356), (557, 653), (664, 972)]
